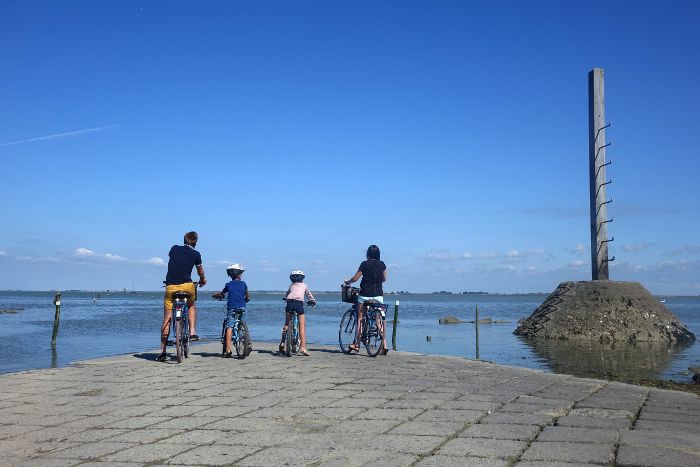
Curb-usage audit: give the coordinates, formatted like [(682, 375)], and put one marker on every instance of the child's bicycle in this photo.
[(372, 326), (240, 338), (292, 337)]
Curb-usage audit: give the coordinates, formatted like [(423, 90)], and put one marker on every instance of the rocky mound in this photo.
[(605, 310)]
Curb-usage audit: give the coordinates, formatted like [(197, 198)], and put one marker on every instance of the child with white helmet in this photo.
[(237, 291), (295, 303)]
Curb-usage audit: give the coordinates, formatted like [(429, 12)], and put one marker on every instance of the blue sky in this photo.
[(294, 134)]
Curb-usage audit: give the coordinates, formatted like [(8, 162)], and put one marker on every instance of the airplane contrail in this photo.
[(61, 135)]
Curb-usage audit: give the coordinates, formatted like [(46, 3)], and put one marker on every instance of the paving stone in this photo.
[(681, 440), (517, 418), (369, 458), (424, 428), (462, 416), (658, 425), (643, 456), (144, 436), (285, 456), (597, 453), (669, 417), (147, 453), (483, 447), (552, 464), (91, 450), (214, 454), (461, 461), (579, 435), (493, 431), (92, 435), (602, 413), (593, 422)]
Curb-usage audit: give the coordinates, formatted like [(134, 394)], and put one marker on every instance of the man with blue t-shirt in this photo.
[(179, 278)]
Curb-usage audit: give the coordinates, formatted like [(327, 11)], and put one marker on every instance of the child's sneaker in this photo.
[(162, 357)]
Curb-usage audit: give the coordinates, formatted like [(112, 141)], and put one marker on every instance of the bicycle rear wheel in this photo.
[(242, 341), (347, 332), (288, 348), (178, 340), (373, 338)]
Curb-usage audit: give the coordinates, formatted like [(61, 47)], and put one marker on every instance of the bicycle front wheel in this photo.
[(178, 340), (347, 332), (375, 330), (242, 340)]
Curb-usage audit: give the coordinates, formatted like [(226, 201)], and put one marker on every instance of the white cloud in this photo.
[(444, 255), (685, 250), (513, 254), (488, 255), (38, 259), (267, 266), (3, 253), (634, 247), (155, 261), (84, 253), (577, 263), (580, 250)]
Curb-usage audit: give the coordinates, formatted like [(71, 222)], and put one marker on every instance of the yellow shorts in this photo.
[(186, 287)]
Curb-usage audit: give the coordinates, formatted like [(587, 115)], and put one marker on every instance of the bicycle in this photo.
[(372, 325), (240, 338), (181, 324), (292, 337)]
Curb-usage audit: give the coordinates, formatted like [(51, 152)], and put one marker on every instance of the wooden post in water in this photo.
[(596, 166), (476, 325), (396, 320), (57, 318)]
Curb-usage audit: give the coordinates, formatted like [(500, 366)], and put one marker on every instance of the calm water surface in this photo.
[(119, 323)]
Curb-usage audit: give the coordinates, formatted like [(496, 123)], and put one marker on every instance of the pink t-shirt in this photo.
[(297, 290)]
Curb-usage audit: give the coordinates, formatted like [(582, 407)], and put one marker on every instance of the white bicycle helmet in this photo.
[(297, 275), (235, 270)]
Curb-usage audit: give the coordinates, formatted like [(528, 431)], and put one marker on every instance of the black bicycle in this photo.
[(372, 325), (181, 324)]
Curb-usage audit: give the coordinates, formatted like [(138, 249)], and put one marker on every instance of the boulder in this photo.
[(605, 311)]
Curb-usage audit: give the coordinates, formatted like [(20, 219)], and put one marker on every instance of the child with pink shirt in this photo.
[(295, 303)]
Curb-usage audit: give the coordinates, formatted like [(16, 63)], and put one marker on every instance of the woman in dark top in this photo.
[(373, 273)]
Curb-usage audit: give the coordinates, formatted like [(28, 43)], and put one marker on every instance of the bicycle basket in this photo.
[(349, 294)]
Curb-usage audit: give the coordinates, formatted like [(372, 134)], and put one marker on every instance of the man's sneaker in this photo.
[(162, 357), (194, 337)]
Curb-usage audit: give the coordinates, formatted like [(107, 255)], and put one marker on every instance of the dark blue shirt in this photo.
[(372, 278), (182, 259), (236, 294)]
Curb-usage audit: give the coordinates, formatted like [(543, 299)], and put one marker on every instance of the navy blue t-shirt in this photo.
[(236, 294), (372, 278), (182, 259)]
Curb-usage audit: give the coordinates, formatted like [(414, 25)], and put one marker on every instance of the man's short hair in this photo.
[(191, 238)]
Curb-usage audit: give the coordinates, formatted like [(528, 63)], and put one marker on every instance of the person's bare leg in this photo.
[(302, 333), (227, 339), (192, 318), (358, 338), (165, 329)]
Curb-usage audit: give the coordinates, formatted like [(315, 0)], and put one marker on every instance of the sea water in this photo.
[(123, 322)]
